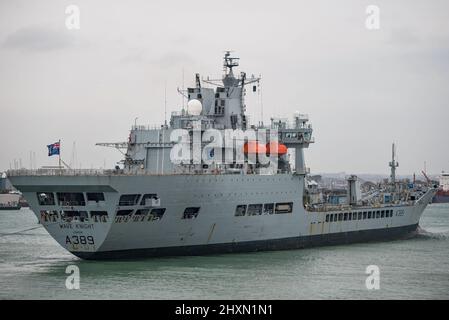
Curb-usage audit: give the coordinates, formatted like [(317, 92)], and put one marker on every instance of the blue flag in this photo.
[(53, 149)]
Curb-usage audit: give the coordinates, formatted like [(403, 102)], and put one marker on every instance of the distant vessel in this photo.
[(442, 195), (10, 201), (161, 203)]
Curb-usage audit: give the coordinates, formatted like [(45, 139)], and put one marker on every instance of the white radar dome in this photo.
[(194, 107)]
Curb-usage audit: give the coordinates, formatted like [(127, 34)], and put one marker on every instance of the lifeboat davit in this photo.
[(276, 148), (252, 147)]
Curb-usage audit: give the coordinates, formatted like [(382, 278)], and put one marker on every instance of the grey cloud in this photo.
[(164, 61), (136, 56), (315, 57), (173, 59), (403, 37), (39, 38)]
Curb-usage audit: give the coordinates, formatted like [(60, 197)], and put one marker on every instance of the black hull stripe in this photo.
[(259, 245)]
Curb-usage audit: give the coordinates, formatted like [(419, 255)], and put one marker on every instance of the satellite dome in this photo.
[(194, 107)]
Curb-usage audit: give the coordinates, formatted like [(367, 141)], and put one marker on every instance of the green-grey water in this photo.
[(33, 265)]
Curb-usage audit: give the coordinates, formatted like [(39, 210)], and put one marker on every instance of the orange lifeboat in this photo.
[(276, 148), (252, 147)]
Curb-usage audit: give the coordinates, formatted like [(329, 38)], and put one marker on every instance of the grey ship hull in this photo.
[(216, 229), (303, 242)]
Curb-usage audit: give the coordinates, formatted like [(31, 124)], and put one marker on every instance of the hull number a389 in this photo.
[(79, 240)]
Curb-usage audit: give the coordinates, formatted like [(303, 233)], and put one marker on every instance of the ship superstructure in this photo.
[(209, 182)]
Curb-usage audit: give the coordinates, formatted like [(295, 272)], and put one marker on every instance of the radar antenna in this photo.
[(229, 62)]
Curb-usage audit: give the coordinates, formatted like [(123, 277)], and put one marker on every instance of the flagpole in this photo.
[(59, 154)]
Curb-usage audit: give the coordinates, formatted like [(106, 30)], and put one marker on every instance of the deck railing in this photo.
[(100, 172), (61, 172)]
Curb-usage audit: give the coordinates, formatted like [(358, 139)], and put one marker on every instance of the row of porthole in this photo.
[(246, 193), (239, 180), (360, 215)]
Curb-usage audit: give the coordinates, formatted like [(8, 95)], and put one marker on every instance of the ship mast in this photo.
[(393, 164), (230, 103)]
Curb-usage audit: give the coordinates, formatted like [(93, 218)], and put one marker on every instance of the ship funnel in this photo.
[(354, 193)]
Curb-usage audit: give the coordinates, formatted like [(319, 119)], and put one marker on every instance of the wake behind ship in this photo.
[(208, 182)]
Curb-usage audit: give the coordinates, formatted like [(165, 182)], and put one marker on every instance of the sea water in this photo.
[(33, 266)]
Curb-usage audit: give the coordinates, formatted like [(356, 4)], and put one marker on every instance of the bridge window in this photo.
[(369, 214), (340, 216), (141, 212), (354, 216), (84, 216), (46, 198), (191, 212), (240, 210), (377, 214), (156, 214), (95, 196), (73, 215), (150, 200), (124, 212), (254, 209), (268, 208), (286, 207), (382, 214), (327, 218), (49, 216), (129, 199), (98, 213), (345, 217), (99, 216), (331, 218), (71, 199), (360, 215)]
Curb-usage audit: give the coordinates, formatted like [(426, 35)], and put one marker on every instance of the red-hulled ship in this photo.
[(442, 195)]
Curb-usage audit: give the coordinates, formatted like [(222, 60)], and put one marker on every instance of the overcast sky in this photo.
[(362, 89)]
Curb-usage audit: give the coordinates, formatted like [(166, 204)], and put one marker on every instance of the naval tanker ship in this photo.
[(181, 190)]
